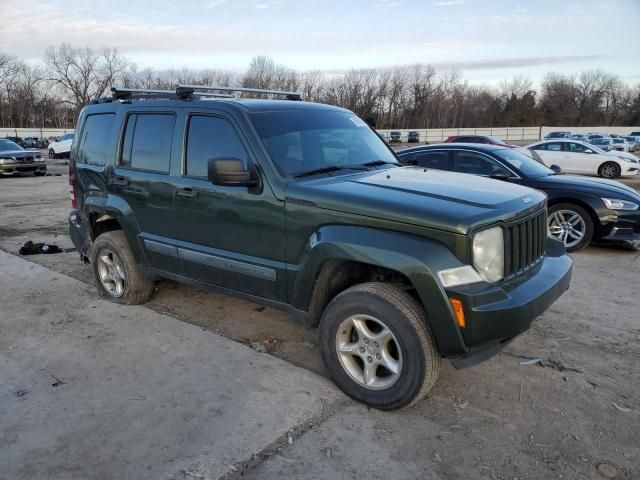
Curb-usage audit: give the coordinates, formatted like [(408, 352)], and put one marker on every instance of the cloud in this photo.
[(448, 3)]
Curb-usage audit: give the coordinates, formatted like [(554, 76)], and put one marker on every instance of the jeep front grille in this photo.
[(525, 243)]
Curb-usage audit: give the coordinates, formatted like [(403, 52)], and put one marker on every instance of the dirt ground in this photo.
[(505, 419)]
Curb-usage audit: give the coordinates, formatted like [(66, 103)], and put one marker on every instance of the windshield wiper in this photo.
[(377, 163), (327, 169)]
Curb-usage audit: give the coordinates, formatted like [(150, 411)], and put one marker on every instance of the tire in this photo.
[(563, 213), (39, 174), (134, 288), (609, 170), (411, 347), (52, 154)]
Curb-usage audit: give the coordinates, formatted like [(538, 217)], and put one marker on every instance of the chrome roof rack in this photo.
[(120, 93), (190, 89)]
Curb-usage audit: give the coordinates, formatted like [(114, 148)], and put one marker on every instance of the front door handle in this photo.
[(119, 181), (186, 192)]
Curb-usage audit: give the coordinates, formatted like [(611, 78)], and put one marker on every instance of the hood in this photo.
[(598, 186), (437, 199), (630, 156), (20, 154)]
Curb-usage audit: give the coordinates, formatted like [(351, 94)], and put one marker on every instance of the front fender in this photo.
[(417, 258)]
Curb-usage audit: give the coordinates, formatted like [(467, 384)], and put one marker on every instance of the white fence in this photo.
[(34, 132), (508, 134)]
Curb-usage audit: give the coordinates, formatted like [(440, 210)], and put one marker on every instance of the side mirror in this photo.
[(230, 172), (556, 169), (500, 174), (588, 151)]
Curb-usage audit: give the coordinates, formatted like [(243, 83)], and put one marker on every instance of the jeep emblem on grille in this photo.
[(527, 200)]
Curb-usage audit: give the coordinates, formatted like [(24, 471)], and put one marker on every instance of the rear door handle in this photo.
[(186, 192), (118, 181)]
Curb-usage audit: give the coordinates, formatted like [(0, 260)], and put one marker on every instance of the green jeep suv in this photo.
[(301, 206)]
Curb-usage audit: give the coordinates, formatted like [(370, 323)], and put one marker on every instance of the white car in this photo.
[(61, 147), (574, 156)]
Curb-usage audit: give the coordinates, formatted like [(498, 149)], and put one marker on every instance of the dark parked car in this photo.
[(485, 139), (301, 206), (413, 137), (395, 137), (17, 140), (581, 209), (15, 159), (557, 135)]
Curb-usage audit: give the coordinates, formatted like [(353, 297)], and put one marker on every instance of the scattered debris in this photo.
[(520, 396), (289, 438), (552, 362), (607, 471), (327, 452), (460, 405), (20, 393), (57, 382), (284, 459), (30, 248), (437, 457), (259, 347), (621, 409)]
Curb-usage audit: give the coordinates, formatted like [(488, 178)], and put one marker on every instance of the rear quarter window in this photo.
[(95, 144)]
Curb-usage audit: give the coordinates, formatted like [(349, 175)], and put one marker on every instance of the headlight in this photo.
[(625, 159), (38, 159), (617, 204), (4, 161), (488, 254)]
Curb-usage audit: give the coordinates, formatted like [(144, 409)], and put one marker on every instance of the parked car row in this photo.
[(15, 159), (604, 141), (29, 142)]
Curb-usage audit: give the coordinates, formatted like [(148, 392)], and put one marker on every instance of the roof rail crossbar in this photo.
[(192, 88), (127, 93)]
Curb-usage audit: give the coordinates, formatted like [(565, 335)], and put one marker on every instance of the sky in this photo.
[(488, 40)]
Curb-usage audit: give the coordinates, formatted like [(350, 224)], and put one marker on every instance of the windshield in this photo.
[(526, 164), (306, 140), (8, 145)]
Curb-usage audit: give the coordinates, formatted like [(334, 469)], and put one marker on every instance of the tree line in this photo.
[(51, 93)]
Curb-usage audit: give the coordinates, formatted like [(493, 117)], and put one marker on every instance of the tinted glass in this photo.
[(147, 143), (476, 164), (304, 140), (8, 145), (577, 147), (554, 147), (465, 140), (525, 164), (211, 137), (95, 145), (437, 160)]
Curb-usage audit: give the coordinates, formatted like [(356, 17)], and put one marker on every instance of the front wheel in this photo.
[(570, 224), (52, 154), (376, 345), (609, 170)]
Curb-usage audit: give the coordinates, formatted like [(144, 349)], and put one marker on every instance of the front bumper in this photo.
[(497, 313), (11, 168), (620, 226)]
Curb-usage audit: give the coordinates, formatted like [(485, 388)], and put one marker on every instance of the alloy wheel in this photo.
[(608, 171), (111, 273), (567, 226), (369, 352)]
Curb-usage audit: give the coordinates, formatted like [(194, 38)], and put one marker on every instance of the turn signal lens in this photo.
[(458, 311)]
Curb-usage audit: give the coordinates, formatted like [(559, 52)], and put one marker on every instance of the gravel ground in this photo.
[(502, 419)]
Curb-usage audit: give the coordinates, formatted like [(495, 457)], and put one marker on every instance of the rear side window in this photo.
[(147, 142), (95, 144), (437, 160), (209, 138), (476, 164)]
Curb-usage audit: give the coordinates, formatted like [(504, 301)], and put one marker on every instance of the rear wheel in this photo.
[(609, 170), (377, 346), (52, 154), (570, 224), (115, 270)]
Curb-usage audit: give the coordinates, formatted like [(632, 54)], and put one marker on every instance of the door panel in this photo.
[(232, 237), (142, 178)]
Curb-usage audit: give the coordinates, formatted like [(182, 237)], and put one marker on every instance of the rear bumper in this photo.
[(495, 314), (79, 233)]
